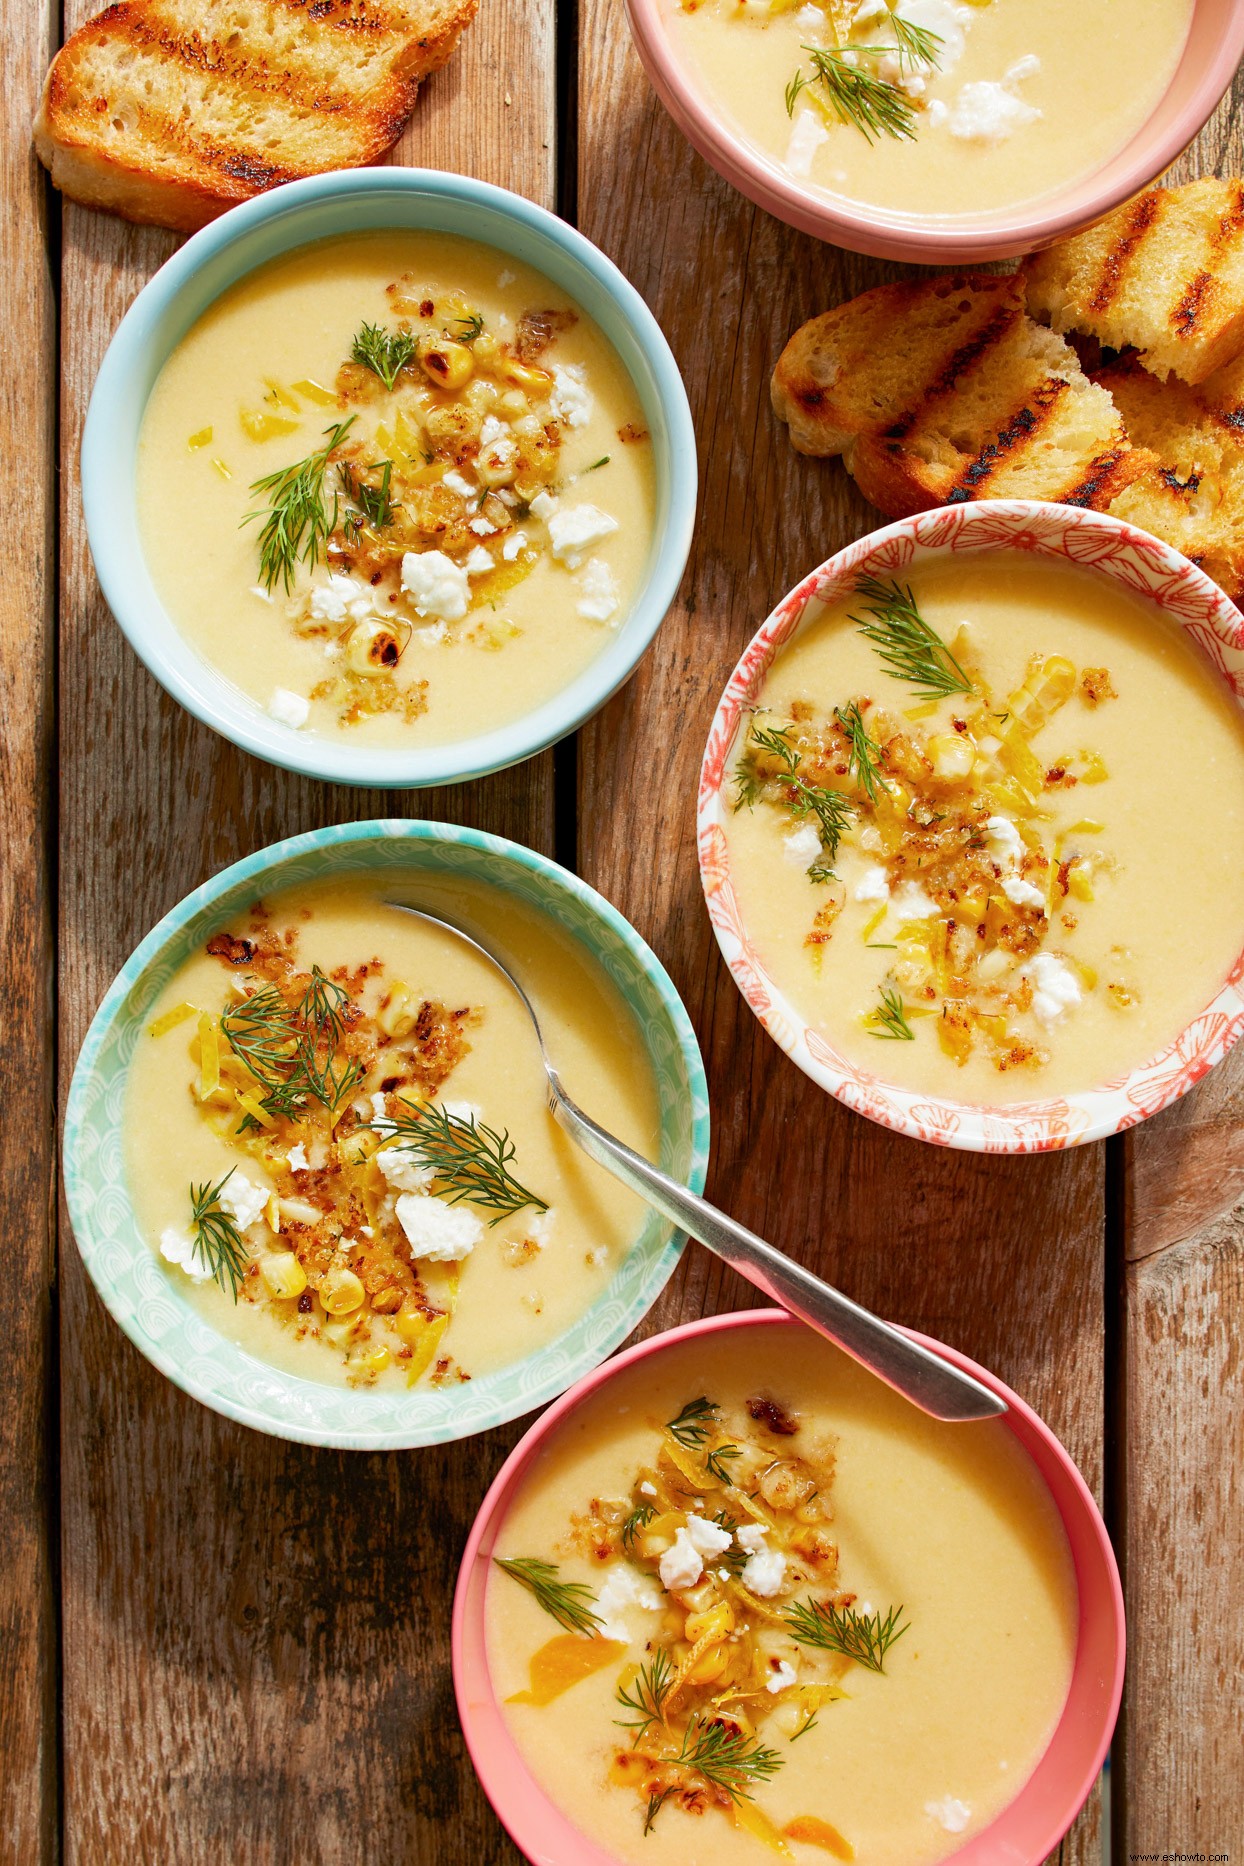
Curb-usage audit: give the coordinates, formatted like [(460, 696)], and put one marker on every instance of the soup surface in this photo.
[(1010, 913), (824, 1624), (397, 488), (353, 1134), (930, 106)]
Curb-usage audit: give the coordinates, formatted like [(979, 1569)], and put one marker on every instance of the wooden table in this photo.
[(217, 1646)]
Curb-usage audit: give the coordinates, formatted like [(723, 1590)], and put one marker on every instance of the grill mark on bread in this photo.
[(966, 357), (214, 59), (1140, 221), (1186, 317), (1104, 481), (1022, 428)]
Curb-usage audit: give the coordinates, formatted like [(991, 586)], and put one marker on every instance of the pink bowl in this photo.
[(1213, 50), (1092, 541), (1022, 1835)]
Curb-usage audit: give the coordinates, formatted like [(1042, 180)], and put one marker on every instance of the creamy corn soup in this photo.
[(930, 106), (749, 1602), (338, 1141), (397, 488), (985, 828)]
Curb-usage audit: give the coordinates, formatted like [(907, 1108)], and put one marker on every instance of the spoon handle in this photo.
[(924, 1378)]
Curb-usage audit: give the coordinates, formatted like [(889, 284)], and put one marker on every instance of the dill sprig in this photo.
[(646, 1697), (832, 810), (695, 1423), (385, 352), (714, 1466), (911, 649), (856, 95), (570, 1603), (372, 503), (467, 329), (291, 1049), (297, 523), (728, 1758), (638, 1519), (889, 1019), (218, 1244), (864, 1637), (917, 45), (863, 751), (471, 1161)]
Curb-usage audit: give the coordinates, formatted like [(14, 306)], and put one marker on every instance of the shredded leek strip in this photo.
[(199, 438), (255, 1109), (272, 1214), (314, 391), (873, 922), (258, 425), (171, 1019), (282, 396), (429, 1341), (209, 1056), (221, 468), (752, 1820)]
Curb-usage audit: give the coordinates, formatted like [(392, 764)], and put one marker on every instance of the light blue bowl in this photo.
[(138, 1291), (356, 201)]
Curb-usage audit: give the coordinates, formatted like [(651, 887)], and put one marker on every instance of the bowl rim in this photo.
[(539, 1827), (108, 477), (1092, 542), (406, 1433), (892, 235)]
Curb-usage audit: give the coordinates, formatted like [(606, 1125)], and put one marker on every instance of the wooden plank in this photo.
[(1003, 1258), (28, 1784), (256, 1634)]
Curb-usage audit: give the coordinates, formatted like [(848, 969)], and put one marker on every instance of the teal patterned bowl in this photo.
[(175, 1338)]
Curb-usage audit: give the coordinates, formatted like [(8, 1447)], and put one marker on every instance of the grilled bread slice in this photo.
[(939, 390), (172, 110), (1195, 497), (1164, 274)]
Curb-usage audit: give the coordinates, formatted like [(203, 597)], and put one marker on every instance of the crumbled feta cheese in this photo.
[(680, 1566), (400, 1168), (462, 1110), (937, 113), (177, 1248), (811, 20), (873, 884), (751, 1537), (624, 1586), (1055, 988), (782, 1675), (428, 637), (949, 1813), (543, 506), (290, 708), (243, 1200), (647, 1490), (574, 529), (867, 13), (708, 1538), (505, 277), (379, 1107), (499, 458), (912, 903), (481, 526), (802, 846), (341, 599), (456, 482), (808, 132), (438, 1233), (296, 1159), (479, 562), (600, 597), (514, 543), (257, 589), (765, 1572), (989, 113), (570, 400), (1004, 840), (492, 430), (438, 586), (1022, 892), (1026, 67)]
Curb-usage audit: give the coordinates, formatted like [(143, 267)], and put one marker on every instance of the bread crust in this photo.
[(111, 148)]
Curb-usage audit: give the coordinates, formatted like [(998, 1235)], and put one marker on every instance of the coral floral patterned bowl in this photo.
[(1028, 1830), (160, 1320), (1090, 541), (1211, 53)]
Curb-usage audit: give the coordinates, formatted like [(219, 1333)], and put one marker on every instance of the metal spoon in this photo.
[(925, 1379)]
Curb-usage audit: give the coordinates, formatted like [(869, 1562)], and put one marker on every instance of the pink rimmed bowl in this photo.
[(1090, 541), (1213, 50), (1027, 1830)]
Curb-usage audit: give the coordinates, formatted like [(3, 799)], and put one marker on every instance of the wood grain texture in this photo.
[(1002, 1258), (1179, 1441), (255, 1633), (28, 1787)]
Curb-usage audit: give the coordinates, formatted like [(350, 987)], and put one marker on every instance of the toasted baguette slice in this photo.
[(171, 111), (1165, 275), (943, 389), (1195, 497)]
